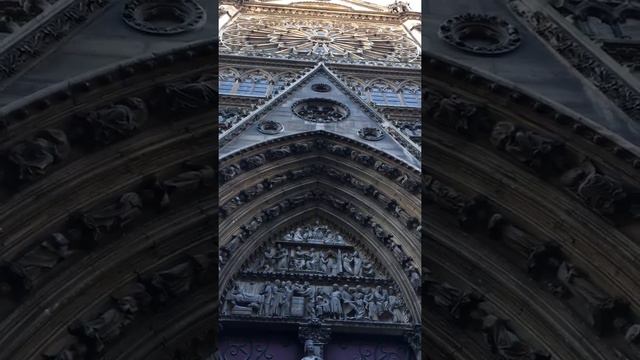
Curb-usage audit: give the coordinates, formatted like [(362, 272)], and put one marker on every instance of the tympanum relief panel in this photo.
[(313, 271)]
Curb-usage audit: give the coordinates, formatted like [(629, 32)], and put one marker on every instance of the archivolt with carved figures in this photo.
[(532, 230)]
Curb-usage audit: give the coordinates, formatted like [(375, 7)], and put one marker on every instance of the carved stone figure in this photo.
[(310, 351), (111, 217), (367, 268), (456, 114), (502, 340), (600, 192), (116, 122), (268, 293), (281, 258), (323, 308), (309, 293), (30, 159), (229, 172), (335, 303), (195, 96), (45, 257), (189, 181), (528, 147), (603, 309), (106, 327), (399, 6), (357, 264), (330, 264), (287, 295), (253, 162), (174, 282), (275, 154), (339, 150)]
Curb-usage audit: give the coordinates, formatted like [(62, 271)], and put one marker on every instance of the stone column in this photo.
[(317, 333)]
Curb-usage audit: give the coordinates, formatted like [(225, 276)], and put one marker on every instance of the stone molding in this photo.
[(42, 33)]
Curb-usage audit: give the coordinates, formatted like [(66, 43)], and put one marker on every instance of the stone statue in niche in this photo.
[(191, 97), (110, 218), (30, 159), (600, 192), (115, 122)]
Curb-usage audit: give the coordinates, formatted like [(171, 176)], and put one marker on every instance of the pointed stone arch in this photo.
[(274, 186)]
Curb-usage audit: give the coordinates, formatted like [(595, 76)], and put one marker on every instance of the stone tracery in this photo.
[(321, 39)]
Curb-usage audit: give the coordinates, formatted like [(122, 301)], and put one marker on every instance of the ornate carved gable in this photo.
[(321, 101), (313, 271)]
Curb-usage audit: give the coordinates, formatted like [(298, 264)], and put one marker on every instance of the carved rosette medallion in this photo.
[(270, 127), (320, 110), (371, 134), (163, 17), (480, 34), (321, 87)]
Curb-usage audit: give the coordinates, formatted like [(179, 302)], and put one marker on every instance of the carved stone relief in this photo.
[(153, 292)]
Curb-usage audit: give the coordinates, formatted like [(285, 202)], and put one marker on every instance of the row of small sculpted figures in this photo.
[(255, 161), (150, 293), (542, 153), (278, 258), (384, 237), (287, 299), (86, 229), (251, 193), (31, 158)]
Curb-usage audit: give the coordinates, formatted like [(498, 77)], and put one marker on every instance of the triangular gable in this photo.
[(282, 109)]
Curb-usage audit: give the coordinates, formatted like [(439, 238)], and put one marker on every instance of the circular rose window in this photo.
[(320, 110), (320, 87), (480, 34), (164, 16)]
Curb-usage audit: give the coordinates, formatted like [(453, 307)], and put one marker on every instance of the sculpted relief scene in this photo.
[(297, 271)]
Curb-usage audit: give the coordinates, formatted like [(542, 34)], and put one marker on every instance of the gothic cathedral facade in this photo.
[(320, 196)]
